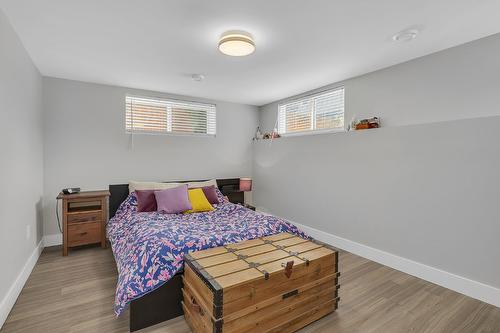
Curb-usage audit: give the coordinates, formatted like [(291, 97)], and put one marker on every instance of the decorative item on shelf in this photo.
[(272, 135), (366, 124), (352, 124), (258, 134)]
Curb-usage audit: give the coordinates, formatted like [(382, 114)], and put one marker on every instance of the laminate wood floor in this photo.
[(75, 294)]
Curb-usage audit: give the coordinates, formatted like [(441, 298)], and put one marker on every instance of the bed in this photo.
[(149, 249)]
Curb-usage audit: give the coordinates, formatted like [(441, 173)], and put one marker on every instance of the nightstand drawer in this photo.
[(81, 234), (93, 216)]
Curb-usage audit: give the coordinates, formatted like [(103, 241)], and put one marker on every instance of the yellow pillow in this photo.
[(199, 201)]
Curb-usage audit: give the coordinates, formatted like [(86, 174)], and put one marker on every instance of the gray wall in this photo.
[(427, 191), (21, 154), (86, 144), (458, 83)]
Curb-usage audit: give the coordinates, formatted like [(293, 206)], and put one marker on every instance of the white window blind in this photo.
[(163, 116), (322, 111)]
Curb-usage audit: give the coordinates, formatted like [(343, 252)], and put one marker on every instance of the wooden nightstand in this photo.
[(85, 215)]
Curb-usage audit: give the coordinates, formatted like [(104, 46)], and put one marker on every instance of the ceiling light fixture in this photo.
[(405, 35), (236, 43)]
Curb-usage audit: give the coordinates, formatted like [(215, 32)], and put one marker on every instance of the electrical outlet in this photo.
[(28, 231)]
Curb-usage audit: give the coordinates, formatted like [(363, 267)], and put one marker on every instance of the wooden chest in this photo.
[(278, 283)]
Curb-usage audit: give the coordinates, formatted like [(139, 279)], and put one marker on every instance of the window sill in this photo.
[(172, 134), (318, 132)]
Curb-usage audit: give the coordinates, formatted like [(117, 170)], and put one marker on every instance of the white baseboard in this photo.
[(11, 297), (52, 240), (471, 288)]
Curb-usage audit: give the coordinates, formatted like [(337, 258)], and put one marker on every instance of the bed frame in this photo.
[(164, 303)]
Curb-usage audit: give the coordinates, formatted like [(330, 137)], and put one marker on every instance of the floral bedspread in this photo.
[(149, 247)]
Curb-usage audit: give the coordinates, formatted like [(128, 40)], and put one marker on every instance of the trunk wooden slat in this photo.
[(278, 283)]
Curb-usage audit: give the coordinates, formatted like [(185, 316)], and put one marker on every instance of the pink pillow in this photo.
[(173, 200), (211, 194), (146, 201)]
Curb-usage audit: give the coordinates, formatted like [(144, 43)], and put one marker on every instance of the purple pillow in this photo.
[(173, 200), (211, 195), (146, 201)]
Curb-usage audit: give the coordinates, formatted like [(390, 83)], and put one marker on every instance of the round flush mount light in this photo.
[(405, 35), (236, 43)]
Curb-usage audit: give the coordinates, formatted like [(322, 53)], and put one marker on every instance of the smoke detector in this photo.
[(198, 77), (406, 35)]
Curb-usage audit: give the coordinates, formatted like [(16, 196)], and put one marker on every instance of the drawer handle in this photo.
[(83, 233), (85, 219), (196, 307)]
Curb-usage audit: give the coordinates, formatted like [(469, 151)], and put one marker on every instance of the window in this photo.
[(162, 116), (319, 112)]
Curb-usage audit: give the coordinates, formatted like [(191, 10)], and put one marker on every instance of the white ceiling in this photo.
[(301, 45)]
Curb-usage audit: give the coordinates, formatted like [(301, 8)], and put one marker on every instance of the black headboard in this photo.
[(229, 187)]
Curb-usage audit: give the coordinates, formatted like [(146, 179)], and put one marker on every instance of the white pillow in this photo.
[(133, 185), (202, 184)]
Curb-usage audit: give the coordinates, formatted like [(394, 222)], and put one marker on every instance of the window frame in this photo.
[(314, 130), (168, 116)]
